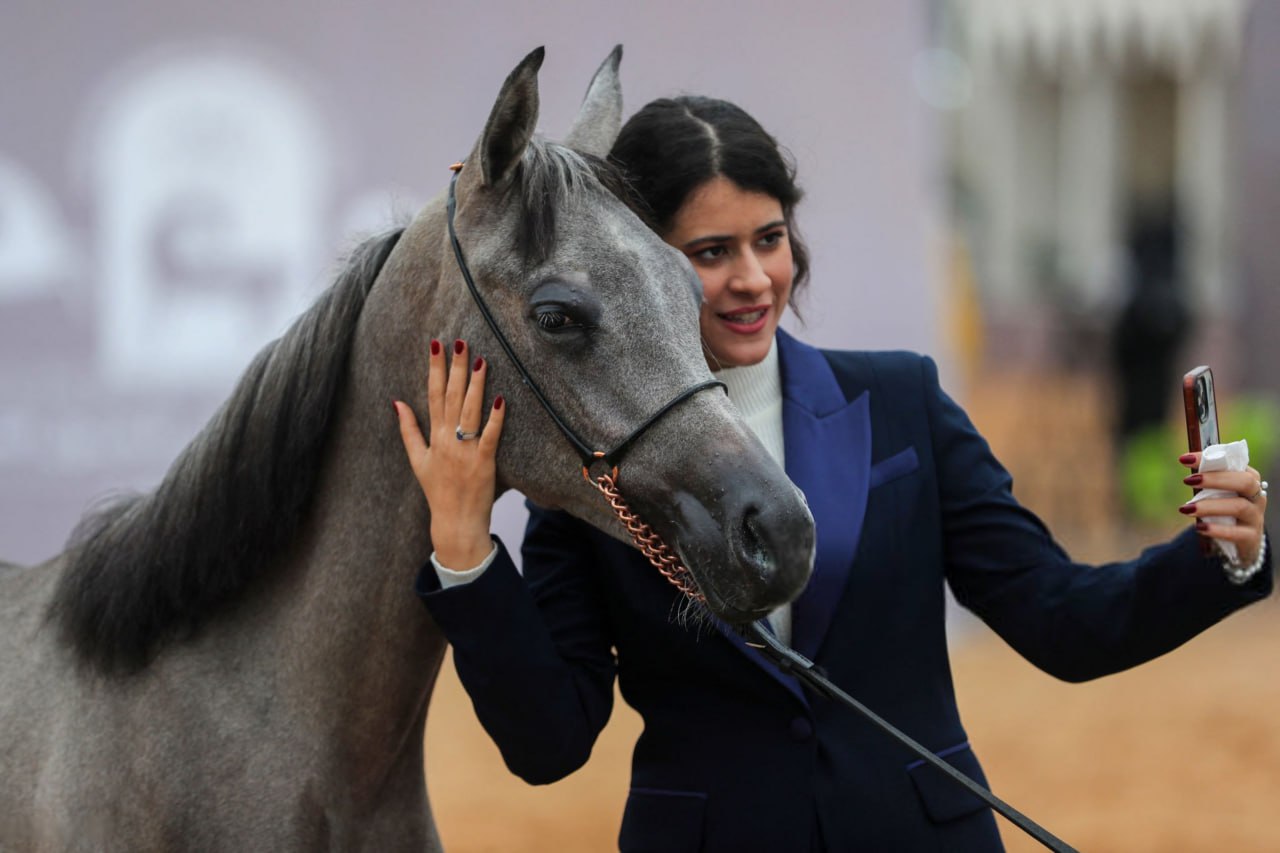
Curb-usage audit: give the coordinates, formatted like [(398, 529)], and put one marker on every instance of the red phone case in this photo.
[(1195, 441)]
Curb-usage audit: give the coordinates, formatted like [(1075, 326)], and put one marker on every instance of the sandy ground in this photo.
[(1182, 754)]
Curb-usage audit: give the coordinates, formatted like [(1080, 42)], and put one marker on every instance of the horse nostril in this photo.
[(774, 547), (755, 548)]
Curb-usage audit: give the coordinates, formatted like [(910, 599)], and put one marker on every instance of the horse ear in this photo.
[(600, 117), (511, 122)]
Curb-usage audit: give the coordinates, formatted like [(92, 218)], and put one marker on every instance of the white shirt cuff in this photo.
[(448, 577)]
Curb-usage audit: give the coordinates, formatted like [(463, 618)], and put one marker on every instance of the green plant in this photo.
[(1150, 477)]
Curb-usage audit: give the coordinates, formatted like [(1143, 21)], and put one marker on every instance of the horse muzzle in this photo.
[(748, 542)]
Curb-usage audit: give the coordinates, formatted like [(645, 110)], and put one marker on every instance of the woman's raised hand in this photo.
[(1248, 507), (456, 469)]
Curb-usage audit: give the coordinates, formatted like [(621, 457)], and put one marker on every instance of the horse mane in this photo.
[(144, 570)]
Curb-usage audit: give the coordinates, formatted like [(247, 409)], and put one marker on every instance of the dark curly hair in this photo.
[(674, 145)]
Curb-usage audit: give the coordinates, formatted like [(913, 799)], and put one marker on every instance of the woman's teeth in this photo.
[(745, 318)]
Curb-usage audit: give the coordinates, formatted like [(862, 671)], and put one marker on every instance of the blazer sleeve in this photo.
[(1074, 621), (535, 656)]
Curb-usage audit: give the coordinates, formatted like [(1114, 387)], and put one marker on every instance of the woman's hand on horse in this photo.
[(456, 469), (1248, 507)]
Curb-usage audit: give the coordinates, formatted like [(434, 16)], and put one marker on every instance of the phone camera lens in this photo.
[(1202, 400)]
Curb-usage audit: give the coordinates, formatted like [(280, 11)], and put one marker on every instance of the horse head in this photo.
[(603, 316)]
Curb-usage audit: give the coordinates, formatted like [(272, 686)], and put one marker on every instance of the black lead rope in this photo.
[(609, 457), (790, 661)]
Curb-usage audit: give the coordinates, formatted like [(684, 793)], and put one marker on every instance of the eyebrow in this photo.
[(724, 238)]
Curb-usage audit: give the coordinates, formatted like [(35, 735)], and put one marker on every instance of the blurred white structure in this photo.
[(1082, 113), (210, 175), (35, 256)]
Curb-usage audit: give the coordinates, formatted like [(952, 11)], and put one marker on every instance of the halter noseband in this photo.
[(589, 455)]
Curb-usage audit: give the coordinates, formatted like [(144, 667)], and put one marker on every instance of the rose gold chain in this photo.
[(646, 538)]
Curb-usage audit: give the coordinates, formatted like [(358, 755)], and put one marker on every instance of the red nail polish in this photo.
[(459, 346), (1194, 479), (497, 402), (1187, 458), (1201, 524), (435, 347), (1187, 509), (479, 363)]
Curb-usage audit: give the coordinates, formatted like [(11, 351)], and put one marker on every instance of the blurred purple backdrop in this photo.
[(178, 180)]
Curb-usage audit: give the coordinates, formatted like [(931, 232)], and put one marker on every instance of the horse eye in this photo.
[(564, 307), (553, 319)]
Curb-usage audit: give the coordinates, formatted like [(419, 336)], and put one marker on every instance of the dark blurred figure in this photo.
[(1154, 322)]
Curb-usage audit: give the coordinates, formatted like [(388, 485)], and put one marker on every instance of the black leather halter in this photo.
[(588, 454)]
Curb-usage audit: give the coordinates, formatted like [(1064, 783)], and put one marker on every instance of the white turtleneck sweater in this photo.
[(756, 391)]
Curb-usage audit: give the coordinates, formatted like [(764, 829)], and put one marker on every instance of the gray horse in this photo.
[(236, 661)]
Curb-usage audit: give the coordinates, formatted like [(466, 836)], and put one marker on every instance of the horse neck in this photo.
[(356, 627)]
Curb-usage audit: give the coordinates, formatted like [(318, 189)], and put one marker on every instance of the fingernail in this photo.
[(497, 402), (458, 347), (396, 405), (1187, 509), (435, 347), (1201, 524), (479, 363), (1187, 458), (1194, 479)]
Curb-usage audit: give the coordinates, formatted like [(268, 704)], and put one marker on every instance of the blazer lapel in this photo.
[(827, 440)]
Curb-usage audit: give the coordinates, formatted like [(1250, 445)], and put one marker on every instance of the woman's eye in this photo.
[(773, 238), (710, 253)]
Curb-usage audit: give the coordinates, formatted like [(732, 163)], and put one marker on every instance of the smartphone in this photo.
[(1201, 409), (1202, 419)]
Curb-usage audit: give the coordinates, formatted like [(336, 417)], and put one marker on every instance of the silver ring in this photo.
[(463, 435), (1262, 491)]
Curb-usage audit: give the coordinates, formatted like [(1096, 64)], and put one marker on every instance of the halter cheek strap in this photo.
[(589, 455)]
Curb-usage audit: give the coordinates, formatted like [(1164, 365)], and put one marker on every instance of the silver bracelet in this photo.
[(1239, 574)]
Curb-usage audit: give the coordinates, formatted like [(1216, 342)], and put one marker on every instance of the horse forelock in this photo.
[(551, 177), (146, 569)]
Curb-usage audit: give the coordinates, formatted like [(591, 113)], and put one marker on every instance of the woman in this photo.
[(906, 496)]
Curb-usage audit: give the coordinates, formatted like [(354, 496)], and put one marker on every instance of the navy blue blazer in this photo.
[(736, 756)]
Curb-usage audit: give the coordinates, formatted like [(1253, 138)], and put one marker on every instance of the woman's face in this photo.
[(737, 242)]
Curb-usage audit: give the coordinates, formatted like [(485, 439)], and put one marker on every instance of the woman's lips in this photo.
[(745, 321)]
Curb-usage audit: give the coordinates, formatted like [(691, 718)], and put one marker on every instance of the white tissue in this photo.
[(1223, 457)]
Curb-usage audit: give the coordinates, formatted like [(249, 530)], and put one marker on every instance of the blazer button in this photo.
[(801, 729)]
